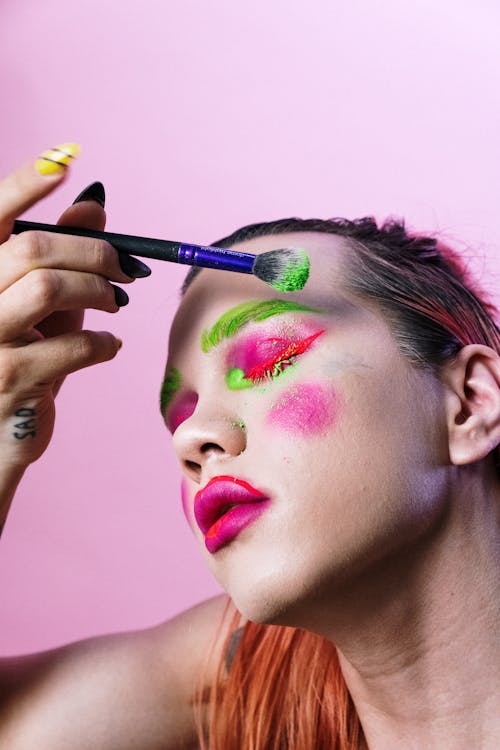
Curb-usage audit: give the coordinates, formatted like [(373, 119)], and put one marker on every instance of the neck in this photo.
[(418, 638)]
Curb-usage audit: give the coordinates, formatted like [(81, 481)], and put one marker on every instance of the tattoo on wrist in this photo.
[(26, 426)]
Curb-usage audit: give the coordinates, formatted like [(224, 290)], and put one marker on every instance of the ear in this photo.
[(472, 383)]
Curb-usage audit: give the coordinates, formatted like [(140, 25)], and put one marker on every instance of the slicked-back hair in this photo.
[(430, 301)]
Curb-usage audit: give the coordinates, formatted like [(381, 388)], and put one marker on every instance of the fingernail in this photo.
[(56, 160), (119, 343), (93, 192), (121, 297), (133, 267)]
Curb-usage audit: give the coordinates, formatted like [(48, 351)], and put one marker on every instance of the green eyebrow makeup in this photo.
[(248, 312)]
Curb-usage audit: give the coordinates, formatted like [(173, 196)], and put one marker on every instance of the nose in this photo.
[(208, 437)]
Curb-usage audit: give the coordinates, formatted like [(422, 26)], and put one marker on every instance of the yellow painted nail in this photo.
[(56, 160)]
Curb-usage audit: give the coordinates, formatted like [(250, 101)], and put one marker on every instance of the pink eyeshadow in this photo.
[(307, 409), (257, 347), (253, 351), (181, 410)]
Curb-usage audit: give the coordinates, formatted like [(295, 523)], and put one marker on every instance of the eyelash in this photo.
[(277, 364)]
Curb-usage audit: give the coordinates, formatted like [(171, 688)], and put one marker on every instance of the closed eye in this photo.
[(275, 365)]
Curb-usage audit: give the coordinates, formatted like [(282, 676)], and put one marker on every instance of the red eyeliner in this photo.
[(258, 372)]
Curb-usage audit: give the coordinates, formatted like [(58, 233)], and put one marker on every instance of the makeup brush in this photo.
[(286, 270)]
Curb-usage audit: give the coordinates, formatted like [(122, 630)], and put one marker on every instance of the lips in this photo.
[(220, 495)]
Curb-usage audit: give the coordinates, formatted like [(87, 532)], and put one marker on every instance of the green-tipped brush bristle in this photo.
[(285, 270)]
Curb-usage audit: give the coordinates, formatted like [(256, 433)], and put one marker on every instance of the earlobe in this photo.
[(473, 403)]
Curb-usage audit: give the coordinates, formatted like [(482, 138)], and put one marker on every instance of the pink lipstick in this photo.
[(226, 506)]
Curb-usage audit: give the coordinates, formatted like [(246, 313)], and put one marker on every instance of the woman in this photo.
[(340, 453)]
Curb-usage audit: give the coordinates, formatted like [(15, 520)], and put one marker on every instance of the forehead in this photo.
[(213, 292)]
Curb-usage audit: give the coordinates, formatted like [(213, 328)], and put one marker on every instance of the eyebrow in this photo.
[(169, 387), (232, 321)]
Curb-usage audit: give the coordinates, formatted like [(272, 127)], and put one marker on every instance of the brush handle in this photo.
[(145, 247)]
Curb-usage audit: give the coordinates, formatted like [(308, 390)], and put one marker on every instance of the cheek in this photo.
[(307, 409), (185, 502)]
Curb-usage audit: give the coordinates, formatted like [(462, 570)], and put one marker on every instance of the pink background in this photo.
[(200, 117)]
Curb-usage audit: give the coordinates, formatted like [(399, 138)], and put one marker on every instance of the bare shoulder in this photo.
[(113, 692)]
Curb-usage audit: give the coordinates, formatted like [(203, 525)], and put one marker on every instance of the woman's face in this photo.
[(337, 443)]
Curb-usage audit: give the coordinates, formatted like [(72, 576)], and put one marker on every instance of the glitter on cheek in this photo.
[(304, 409), (239, 425), (181, 411)]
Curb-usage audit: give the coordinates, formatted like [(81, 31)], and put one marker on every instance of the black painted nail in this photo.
[(121, 297), (133, 267), (93, 192)]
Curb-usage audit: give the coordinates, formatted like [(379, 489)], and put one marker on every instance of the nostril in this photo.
[(193, 470), (209, 447)]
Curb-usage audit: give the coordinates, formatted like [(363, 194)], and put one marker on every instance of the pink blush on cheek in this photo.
[(181, 410), (307, 409)]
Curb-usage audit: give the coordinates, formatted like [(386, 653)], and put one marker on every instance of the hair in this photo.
[(282, 688)]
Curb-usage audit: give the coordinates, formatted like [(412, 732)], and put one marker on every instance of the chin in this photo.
[(262, 609), (269, 593)]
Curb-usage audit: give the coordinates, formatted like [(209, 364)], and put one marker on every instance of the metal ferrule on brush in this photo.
[(215, 257)]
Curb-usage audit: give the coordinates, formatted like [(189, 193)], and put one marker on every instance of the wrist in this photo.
[(10, 476)]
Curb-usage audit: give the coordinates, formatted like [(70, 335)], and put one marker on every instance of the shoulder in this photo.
[(194, 639), (126, 689)]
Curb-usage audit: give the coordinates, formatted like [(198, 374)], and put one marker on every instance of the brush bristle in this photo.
[(286, 270)]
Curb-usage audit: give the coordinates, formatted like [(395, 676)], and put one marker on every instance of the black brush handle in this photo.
[(144, 247)]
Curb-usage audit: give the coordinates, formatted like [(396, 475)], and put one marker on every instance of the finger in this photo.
[(87, 214), (44, 362), (31, 250), (31, 182), (88, 211), (63, 321), (44, 291)]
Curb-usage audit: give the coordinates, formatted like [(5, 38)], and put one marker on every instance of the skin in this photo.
[(382, 532)]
